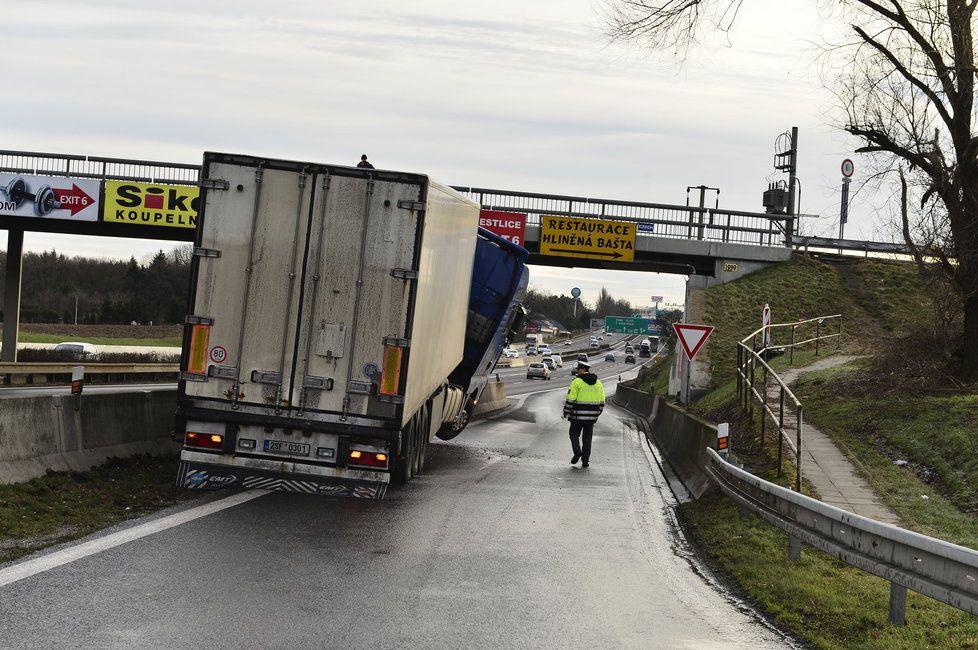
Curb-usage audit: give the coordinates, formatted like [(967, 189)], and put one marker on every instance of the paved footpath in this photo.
[(824, 465)]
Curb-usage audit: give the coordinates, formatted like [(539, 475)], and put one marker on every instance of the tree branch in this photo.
[(906, 74)]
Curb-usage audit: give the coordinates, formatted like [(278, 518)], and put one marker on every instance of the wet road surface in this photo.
[(501, 543)]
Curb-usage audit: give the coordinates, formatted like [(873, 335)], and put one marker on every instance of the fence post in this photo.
[(750, 398), (840, 333), (898, 604), (791, 354), (739, 387), (798, 453), (780, 427), (818, 336), (763, 406)]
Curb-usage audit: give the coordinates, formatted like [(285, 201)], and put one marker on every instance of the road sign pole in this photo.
[(11, 298)]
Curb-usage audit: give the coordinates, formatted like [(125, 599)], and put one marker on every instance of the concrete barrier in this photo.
[(493, 399), (65, 433), (681, 437)]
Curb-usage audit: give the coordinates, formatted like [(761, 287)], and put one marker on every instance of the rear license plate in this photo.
[(291, 448)]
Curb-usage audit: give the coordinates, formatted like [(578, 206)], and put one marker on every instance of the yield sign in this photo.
[(692, 337)]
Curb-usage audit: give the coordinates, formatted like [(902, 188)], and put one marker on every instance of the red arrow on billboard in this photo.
[(74, 200), (692, 337)]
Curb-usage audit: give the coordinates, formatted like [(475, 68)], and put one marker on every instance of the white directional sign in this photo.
[(692, 337)]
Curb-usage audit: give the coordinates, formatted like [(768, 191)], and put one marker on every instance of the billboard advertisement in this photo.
[(508, 225), (151, 204), (48, 197)]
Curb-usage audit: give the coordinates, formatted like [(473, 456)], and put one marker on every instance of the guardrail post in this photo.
[(818, 336), (794, 548), (798, 454), (840, 333), (898, 604), (780, 428)]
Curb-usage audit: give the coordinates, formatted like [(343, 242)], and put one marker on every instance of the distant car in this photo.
[(557, 360), (629, 349), (582, 357), (510, 353), (537, 370), (594, 345), (549, 362), (600, 338), (567, 342), (531, 351), (610, 357), (544, 350), (77, 349), (629, 358)]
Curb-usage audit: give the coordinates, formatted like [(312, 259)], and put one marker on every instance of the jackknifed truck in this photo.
[(332, 330)]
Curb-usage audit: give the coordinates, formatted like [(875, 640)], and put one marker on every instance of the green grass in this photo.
[(63, 506), (33, 337), (935, 434), (878, 299)]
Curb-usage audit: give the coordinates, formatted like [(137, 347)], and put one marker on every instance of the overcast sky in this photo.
[(525, 96)]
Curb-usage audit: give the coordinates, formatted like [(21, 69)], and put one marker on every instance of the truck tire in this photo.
[(403, 468), (450, 430)]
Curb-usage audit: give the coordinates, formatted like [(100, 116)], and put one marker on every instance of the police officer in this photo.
[(585, 401)]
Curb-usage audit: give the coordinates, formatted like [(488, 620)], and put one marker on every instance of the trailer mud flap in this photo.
[(199, 476)]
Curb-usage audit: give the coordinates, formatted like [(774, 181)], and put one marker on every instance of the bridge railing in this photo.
[(57, 164), (653, 219)]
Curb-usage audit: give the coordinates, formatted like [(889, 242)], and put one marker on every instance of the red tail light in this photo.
[(367, 458), (206, 440)]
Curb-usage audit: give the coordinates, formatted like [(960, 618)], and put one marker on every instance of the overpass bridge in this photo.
[(687, 240)]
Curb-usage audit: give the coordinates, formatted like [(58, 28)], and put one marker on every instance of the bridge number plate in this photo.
[(595, 239)]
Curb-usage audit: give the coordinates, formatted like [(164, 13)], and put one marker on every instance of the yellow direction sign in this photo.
[(590, 238)]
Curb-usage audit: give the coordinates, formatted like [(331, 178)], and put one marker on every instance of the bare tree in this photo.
[(907, 91)]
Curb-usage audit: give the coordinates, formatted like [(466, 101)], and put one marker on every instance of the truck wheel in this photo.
[(403, 468), (451, 429)]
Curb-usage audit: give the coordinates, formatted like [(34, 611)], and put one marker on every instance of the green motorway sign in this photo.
[(627, 325)]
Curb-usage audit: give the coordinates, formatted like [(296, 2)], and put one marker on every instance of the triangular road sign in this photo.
[(692, 337)]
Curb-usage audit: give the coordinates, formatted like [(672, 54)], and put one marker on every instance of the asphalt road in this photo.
[(501, 543)]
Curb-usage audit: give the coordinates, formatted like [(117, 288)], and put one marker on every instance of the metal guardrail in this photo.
[(653, 219), (750, 356), (867, 247), (26, 373), (940, 570)]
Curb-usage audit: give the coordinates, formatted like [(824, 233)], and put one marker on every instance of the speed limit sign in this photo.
[(848, 168)]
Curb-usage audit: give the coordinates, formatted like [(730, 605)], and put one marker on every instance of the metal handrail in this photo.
[(748, 358), (935, 568)]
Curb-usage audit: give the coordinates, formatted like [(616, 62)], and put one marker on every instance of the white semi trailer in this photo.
[(328, 309)]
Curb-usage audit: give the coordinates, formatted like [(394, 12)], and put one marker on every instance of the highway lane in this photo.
[(501, 543)]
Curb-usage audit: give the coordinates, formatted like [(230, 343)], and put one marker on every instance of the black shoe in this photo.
[(584, 464), (576, 458)]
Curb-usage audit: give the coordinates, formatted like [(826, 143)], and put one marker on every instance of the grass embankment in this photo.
[(64, 506), (879, 413), (141, 335)]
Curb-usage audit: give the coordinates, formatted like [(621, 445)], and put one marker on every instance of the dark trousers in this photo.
[(582, 447)]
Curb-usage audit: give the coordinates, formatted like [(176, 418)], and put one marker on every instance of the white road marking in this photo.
[(72, 553)]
